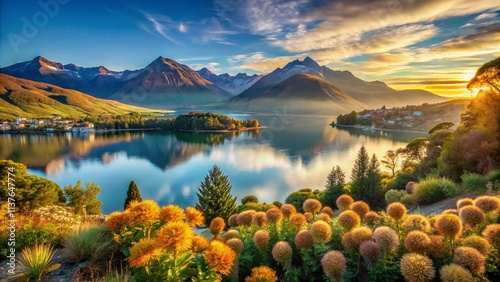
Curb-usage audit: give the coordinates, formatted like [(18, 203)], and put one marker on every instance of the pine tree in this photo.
[(214, 196), (359, 175), (133, 194), (84, 200), (374, 183), (334, 186)]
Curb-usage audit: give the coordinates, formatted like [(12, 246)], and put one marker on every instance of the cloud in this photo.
[(259, 62), (212, 66), (211, 30), (182, 27), (161, 24)]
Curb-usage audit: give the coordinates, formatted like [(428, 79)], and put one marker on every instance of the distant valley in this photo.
[(302, 87)]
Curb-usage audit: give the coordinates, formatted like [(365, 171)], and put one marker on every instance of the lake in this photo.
[(289, 154)]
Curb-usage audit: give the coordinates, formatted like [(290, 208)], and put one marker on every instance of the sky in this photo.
[(427, 44)]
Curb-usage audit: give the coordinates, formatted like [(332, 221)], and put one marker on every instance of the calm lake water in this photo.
[(290, 154)]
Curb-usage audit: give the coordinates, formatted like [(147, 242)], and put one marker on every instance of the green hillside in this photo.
[(26, 98)]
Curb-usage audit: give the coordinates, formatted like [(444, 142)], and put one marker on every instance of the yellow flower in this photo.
[(416, 222), (175, 236), (487, 203), (217, 226), (262, 274), (199, 244), (194, 217), (321, 232), (141, 212), (143, 252), (172, 213), (117, 220), (478, 243), (220, 257)]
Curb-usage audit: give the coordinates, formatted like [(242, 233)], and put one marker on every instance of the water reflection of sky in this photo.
[(169, 167)]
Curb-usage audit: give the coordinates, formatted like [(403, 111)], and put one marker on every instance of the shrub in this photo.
[(249, 199), (393, 196), (401, 180), (493, 175), (90, 243), (37, 261), (297, 198), (434, 189), (474, 181), (47, 234)]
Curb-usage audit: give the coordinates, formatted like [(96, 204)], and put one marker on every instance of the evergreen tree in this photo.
[(374, 177), (214, 196), (334, 186), (133, 194), (359, 175), (79, 197)]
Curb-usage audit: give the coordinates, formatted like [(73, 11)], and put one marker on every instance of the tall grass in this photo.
[(434, 189), (37, 261), (91, 243), (474, 182)]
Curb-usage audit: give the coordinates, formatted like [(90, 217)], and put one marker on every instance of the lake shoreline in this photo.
[(376, 128)]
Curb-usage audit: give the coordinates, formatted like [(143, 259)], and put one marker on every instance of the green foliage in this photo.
[(348, 119), (93, 244), (474, 182), (297, 198), (334, 186), (255, 207), (133, 194), (80, 198), (210, 121), (401, 180), (128, 121), (434, 189), (374, 183), (493, 175), (393, 196), (277, 204), (249, 199), (444, 125), (391, 160), (359, 184), (214, 196), (30, 191), (37, 261)]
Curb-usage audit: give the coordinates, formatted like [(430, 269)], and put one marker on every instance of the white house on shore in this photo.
[(86, 127)]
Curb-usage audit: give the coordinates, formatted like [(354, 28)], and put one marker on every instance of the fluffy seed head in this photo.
[(410, 187), (235, 244), (172, 213), (311, 205), (370, 251), (449, 225), (259, 219), (348, 219), (245, 218), (417, 268), (348, 242), (282, 252), (437, 248), (387, 238), (304, 239), (470, 259), (231, 221), (416, 222), (471, 216), (262, 274), (261, 238), (288, 210), (333, 264), (417, 242), (450, 211), (396, 211), (455, 273), (298, 220), (274, 215), (478, 243), (488, 203), (344, 202), (361, 234), (328, 211), (220, 257), (492, 234), (464, 202), (325, 217), (361, 208), (321, 232), (217, 226), (309, 217), (370, 217), (231, 233)]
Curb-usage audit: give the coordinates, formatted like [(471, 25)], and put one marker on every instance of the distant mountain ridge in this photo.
[(374, 94), (25, 98), (164, 83), (232, 84)]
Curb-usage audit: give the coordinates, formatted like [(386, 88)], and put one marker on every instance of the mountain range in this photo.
[(26, 98), (303, 86)]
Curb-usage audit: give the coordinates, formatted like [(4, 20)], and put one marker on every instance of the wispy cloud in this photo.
[(260, 62), (159, 24)]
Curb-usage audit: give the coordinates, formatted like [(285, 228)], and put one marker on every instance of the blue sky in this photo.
[(434, 45)]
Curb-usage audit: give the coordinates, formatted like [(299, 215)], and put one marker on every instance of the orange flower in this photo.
[(311, 205), (288, 210), (143, 252), (217, 226), (334, 264), (321, 232), (194, 217), (200, 244), (470, 259), (370, 217), (417, 268), (492, 234), (449, 225), (261, 238), (175, 236), (230, 234), (416, 222), (417, 242), (348, 219), (262, 274), (142, 212), (396, 211), (328, 211), (487, 203), (117, 220), (259, 218), (387, 238), (245, 218), (304, 239), (274, 215), (344, 202), (325, 217), (220, 257), (361, 208), (298, 220), (282, 252), (172, 213), (370, 251)]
